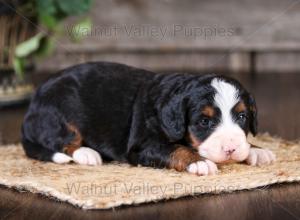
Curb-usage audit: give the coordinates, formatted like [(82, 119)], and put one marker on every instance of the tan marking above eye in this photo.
[(240, 107), (208, 111)]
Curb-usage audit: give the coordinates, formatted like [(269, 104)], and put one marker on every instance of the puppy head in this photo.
[(220, 122), (215, 115)]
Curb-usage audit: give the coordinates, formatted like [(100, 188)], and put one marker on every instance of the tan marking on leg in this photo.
[(182, 157), (75, 143)]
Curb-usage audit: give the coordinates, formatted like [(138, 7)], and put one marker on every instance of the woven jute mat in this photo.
[(113, 184)]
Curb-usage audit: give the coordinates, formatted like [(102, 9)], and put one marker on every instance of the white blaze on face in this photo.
[(228, 141)]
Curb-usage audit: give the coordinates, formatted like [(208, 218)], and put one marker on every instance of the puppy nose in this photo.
[(230, 151), (230, 145)]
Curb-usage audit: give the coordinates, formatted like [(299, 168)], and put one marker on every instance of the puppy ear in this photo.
[(253, 115), (173, 118)]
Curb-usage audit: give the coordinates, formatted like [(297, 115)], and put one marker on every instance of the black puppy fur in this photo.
[(124, 113)]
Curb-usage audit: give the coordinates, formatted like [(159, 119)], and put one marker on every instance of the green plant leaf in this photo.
[(48, 20), (47, 45), (81, 29), (19, 66), (74, 7), (29, 46), (46, 7), (48, 13)]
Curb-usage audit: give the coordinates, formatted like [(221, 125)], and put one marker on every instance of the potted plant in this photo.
[(29, 29)]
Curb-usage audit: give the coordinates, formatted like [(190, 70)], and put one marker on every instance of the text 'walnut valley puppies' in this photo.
[(107, 111)]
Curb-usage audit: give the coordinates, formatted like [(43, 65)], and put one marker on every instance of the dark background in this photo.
[(256, 42)]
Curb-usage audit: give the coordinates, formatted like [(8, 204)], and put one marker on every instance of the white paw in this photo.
[(202, 168), (87, 156), (61, 158), (258, 157)]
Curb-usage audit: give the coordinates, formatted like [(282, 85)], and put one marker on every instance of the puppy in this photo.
[(107, 111)]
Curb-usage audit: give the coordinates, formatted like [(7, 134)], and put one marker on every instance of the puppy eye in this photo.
[(242, 116), (205, 122)]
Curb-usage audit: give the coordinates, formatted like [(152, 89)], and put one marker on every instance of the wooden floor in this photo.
[(278, 99)]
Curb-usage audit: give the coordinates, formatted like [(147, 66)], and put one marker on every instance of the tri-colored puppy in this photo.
[(108, 111)]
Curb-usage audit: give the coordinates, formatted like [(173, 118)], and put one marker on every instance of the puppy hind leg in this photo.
[(42, 140), (48, 137), (43, 136)]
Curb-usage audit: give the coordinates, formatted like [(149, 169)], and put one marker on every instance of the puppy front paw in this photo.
[(203, 168), (87, 156), (259, 157)]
